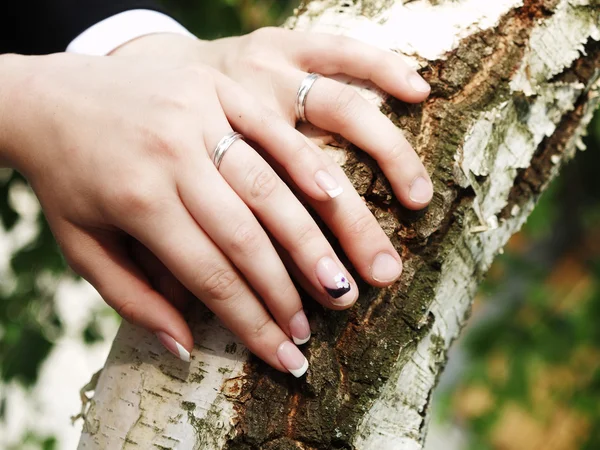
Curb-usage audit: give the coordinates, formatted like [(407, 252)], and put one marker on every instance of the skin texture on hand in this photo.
[(271, 64), (118, 150), (13, 74)]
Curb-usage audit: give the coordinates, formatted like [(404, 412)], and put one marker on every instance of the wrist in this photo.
[(14, 69), (23, 87), (158, 45)]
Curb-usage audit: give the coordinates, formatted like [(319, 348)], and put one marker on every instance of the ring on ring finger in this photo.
[(224, 144), (302, 94)]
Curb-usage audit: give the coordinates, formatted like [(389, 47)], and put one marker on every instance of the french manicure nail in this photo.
[(418, 83), (385, 268), (292, 359), (421, 190), (335, 282), (173, 346), (299, 328), (326, 182)]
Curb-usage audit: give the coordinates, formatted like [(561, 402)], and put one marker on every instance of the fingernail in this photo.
[(173, 346), (385, 268), (418, 83), (292, 359), (326, 182), (421, 190), (335, 282), (299, 328)]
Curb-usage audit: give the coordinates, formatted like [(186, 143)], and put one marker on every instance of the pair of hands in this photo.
[(119, 147)]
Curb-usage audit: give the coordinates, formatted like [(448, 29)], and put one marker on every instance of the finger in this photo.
[(236, 231), (159, 276), (104, 262), (291, 226), (330, 55), (339, 108), (298, 276), (360, 235), (263, 126), (204, 270)]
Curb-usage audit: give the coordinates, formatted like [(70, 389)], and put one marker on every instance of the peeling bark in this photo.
[(514, 86)]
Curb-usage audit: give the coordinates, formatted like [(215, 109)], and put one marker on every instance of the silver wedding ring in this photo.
[(303, 90), (223, 145)]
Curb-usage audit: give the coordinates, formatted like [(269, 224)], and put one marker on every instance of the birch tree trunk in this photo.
[(514, 85)]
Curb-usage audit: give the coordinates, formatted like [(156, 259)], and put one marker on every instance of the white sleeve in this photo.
[(109, 34)]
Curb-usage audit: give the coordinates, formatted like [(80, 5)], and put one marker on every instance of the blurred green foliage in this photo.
[(533, 380), (32, 440), (28, 321), (215, 19)]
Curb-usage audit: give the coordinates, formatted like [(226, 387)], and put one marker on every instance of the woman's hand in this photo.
[(271, 63), (117, 148)]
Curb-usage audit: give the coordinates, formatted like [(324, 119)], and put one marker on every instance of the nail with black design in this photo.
[(333, 278)]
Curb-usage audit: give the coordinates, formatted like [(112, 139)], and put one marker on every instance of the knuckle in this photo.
[(183, 93), (222, 284), (289, 291), (76, 261), (398, 150), (255, 62), (260, 328), (306, 234), (300, 151), (359, 225), (135, 199), (268, 119), (162, 143), (345, 105), (246, 240), (128, 311), (262, 183), (258, 49), (174, 100)]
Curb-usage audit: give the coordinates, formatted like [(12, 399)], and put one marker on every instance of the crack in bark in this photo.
[(530, 182)]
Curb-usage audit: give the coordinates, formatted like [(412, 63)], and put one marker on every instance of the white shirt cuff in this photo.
[(105, 36)]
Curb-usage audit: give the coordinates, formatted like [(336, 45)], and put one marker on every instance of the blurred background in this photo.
[(525, 375)]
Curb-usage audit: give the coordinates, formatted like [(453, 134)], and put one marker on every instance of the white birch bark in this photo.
[(146, 399)]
